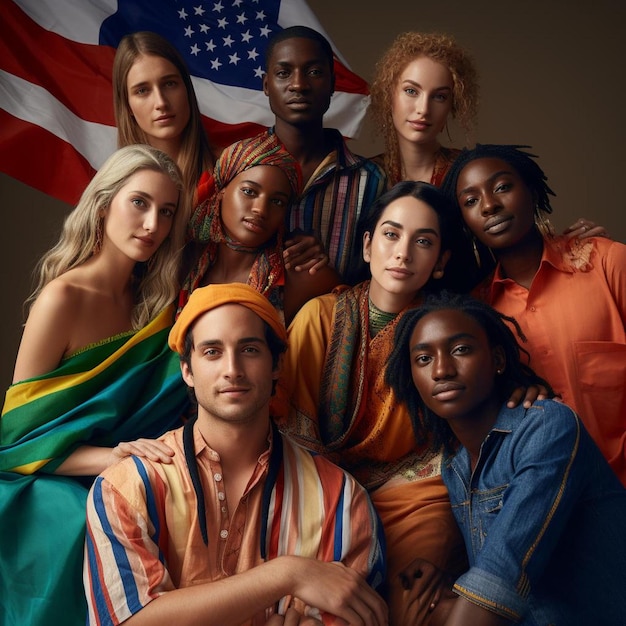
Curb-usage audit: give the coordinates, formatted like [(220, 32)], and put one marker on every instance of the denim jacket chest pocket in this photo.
[(483, 509)]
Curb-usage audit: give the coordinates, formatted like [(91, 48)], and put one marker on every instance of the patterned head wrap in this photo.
[(206, 224), (205, 299)]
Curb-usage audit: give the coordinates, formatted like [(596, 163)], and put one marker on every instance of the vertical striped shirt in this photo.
[(334, 203), (143, 536)]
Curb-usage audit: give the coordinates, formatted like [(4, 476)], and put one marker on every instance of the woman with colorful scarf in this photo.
[(238, 230), (334, 392), (94, 378)]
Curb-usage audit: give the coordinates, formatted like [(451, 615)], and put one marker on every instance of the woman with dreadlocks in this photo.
[(568, 295), (541, 513)]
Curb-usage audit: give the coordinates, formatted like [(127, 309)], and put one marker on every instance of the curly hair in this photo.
[(154, 287), (404, 49), (399, 377)]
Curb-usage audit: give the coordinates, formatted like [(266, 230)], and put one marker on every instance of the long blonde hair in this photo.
[(156, 282), (404, 49), (195, 154)]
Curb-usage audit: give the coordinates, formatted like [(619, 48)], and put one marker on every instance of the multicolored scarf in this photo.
[(206, 226), (345, 366)]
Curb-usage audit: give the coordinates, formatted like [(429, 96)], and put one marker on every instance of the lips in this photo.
[(164, 118), (400, 273), (497, 224), (298, 104), (419, 124), (147, 241), (448, 390), (253, 224)]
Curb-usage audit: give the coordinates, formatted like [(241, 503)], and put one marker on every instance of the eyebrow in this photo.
[(399, 226), (489, 179), (413, 82), (451, 339), (254, 183), (147, 82), (146, 195), (218, 342)]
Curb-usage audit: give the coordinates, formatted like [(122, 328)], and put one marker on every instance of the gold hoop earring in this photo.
[(475, 251), (543, 224)]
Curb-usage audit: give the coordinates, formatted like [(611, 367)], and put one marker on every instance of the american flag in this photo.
[(56, 111)]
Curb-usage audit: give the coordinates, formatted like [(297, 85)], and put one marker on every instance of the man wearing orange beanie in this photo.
[(244, 526)]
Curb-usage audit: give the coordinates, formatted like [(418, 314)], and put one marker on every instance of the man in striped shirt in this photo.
[(339, 185), (243, 526)]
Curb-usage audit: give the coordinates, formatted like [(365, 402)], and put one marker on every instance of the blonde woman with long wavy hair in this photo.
[(94, 379)]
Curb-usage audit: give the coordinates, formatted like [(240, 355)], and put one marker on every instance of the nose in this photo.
[(232, 362), (404, 250), (261, 207), (422, 104), (299, 81), (151, 220), (443, 367), (491, 204), (160, 101)]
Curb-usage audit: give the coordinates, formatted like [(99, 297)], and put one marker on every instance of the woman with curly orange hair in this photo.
[(418, 83)]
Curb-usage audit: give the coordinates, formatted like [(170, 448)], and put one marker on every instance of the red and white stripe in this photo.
[(56, 110)]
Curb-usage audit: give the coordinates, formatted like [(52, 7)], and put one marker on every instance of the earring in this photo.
[(543, 223), (475, 250), (499, 371), (437, 274), (97, 246)]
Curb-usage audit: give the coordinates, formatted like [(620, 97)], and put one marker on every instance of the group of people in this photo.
[(259, 371)]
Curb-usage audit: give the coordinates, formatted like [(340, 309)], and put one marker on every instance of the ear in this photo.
[(265, 84), (279, 366), (441, 264), (187, 374), (499, 359), (367, 247)]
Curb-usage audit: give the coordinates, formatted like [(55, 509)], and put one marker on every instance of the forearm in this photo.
[(86, 461), (232, 600), (466, 613)]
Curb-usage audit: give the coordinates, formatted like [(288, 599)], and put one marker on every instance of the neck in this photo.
[(231, 266), (171, 147), (389, 302), (307, 144), (111, 273), (521, 262), (239, 444), (418, 159), (472, 429)]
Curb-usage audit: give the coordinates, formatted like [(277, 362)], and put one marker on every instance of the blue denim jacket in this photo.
[(544, 521)]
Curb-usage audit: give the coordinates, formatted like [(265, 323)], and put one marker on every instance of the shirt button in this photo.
[(223, 534), (223, 509), (217, 477), (220, 495), (532, 308)]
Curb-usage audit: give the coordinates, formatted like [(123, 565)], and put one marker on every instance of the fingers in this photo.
[(304, 252), (527, 396), (584, 228), (150, 449)]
